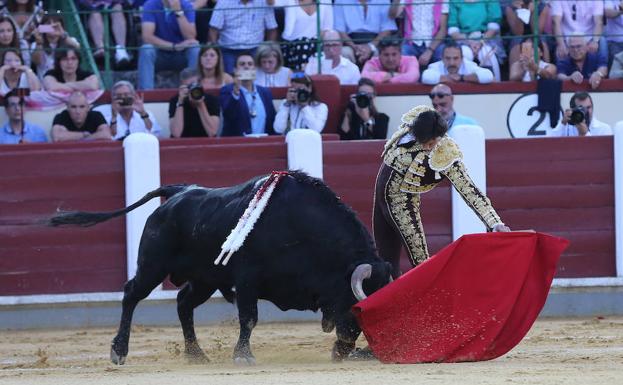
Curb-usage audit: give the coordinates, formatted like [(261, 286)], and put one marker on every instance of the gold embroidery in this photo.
[(472, 195), (445, 153)]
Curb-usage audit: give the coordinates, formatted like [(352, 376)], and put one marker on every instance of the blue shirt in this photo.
[(255, 104), (167, 27), (376, 19), (32, 133), (462, 119), (592, 62)]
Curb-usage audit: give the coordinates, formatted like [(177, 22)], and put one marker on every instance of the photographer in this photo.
[(361, 119), (192, 113), (301, 109), (126, 114), (579, 120)]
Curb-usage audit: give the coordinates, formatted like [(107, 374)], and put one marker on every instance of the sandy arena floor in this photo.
[(556, 351)]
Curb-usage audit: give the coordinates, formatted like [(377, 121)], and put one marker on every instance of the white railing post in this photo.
[(142, 175), (471, 140), (618, 196), (305, 151)]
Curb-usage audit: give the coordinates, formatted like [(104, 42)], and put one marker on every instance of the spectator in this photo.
[(67, 75), (48, 36), (16, 130), (390, 66), (585, 17), (10, 39), (211, 68), (585, 125), (193, 113), (454, 68), (24, 13), (203, 14), (581, 64), (520, 19), (119, 27), (476, 24), (126, 114), (301, 109), (367, 23), (169, 39), (300, 31), (362, 120), (613, 9), (443, 102), (526, 69), (616, 71), (247, 108), (79, 122), (425, 27), (14, 74), (240, 26), (332, 62), (271, 72)]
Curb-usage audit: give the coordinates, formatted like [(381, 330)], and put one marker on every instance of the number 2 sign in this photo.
[(525, 121)]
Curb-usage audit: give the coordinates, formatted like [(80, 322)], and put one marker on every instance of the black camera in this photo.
[(21, 92), (195, 91), (302, 95), (363, 100), (578, 115), (126, 101)]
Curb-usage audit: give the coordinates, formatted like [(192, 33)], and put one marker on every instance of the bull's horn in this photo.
[(361, 272)]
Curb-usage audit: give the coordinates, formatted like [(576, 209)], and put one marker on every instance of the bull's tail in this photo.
[(86, 219)]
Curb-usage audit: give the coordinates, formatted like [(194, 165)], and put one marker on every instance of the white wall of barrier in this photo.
[(142, 168)]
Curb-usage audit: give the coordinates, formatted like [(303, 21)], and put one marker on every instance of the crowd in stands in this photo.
[(245, 47)]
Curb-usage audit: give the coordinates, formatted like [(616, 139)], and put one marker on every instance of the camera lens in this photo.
[(195, 91), (302, 95), (362, 99), (577, 116)]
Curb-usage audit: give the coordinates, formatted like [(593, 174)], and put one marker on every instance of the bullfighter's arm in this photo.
[(472, 195)]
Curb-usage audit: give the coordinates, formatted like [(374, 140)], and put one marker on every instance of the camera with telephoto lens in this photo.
[(362, 99), (302, 95), (126, 101), (578, 115), (195, 91)]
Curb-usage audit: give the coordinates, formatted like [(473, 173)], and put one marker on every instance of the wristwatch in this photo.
[(179, 13)]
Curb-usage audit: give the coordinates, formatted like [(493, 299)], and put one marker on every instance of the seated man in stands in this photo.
[(240, 26), (79, 122), (192, 112), (16, 130), (581, 64), (443, 102), (361, 27), (454, 68), (247, 108), (126, 113), (391, 66), (579, 120), (332, 62), (169, 39)]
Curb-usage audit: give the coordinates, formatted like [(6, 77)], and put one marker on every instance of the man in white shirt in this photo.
[(126, 114), (579, 120), (332, 61), (454, 68)]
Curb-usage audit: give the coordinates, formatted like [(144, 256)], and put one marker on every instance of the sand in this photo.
[(556, 351)]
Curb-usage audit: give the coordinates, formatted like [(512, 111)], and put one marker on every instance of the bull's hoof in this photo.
[(244, 361), (194, 355), (117, 359), (341, 350)]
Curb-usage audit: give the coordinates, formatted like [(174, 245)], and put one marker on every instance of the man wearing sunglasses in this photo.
[(585, 16), (443, 102)]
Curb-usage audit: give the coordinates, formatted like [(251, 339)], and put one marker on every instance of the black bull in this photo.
[(307, 251)]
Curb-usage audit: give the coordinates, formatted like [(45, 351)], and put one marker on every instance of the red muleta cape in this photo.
[(474, 300)]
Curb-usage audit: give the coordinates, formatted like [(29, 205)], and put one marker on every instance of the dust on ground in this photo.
[(556, 351)]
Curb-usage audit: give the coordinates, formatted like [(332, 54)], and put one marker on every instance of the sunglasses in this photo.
[(439, 95)]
